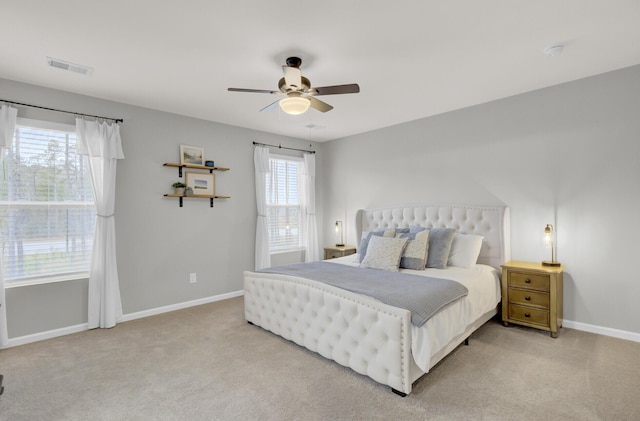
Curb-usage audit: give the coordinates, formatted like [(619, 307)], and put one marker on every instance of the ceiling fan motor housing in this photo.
[(282, 85)]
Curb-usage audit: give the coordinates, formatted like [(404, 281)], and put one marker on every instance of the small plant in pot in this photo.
[(178, 187)]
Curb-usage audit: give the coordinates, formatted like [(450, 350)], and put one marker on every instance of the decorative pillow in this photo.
[(440, 240), (415, 254), (384, 253), (366, 236), (465, 250)]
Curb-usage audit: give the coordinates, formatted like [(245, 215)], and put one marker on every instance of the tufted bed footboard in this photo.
[(371, 338)]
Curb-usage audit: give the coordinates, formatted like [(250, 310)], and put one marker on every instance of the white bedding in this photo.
[(483, 283)]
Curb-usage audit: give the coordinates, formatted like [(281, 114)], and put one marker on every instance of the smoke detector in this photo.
[(554, 50), (70, 67)]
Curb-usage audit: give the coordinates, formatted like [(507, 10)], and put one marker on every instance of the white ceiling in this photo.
[(411, 58)]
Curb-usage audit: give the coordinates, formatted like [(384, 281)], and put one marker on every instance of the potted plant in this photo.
[(179, 187)]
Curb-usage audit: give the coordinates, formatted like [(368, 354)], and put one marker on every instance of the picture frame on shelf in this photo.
[(193, 155), (203, 184)]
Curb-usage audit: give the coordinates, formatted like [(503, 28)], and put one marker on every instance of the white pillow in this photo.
[(384, 253), (465, 250)]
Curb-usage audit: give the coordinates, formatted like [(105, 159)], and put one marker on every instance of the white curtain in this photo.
[(8, 116), (102, 145), (261, 163), (312, 253)]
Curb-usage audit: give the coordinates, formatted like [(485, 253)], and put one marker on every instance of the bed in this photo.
[(374, 338)]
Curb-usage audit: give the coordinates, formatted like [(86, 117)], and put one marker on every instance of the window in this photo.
[(47, 212), (283, 203)]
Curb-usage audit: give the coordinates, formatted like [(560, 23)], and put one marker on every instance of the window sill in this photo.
[(45, 280), (288, 251)]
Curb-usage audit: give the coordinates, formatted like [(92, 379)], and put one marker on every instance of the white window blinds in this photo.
[(283, 204), (47, 212)]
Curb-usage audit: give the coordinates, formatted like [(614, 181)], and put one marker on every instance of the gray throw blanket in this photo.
[(422, 296)]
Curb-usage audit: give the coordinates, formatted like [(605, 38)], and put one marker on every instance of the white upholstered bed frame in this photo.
[(370, 337)]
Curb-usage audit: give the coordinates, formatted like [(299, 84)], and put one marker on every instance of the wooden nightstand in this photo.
[(532, 295), (331, 252)]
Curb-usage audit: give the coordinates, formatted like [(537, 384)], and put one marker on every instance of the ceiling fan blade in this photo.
[(352, 88), (292, 77), (257, 91), (271, 106), (323, 107)]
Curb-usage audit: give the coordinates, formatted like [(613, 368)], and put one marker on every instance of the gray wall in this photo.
[(568, 155), (158, 243)]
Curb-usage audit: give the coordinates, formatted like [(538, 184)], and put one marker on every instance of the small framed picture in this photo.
[(193, 155), (202, 184)]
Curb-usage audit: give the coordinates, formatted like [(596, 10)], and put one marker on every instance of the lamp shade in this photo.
[(294, 105)]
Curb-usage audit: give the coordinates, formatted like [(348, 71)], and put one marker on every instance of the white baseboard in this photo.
[(41, 336), (180, 306), (49, 334), (606, 331)]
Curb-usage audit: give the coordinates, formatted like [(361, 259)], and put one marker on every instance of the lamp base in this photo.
[(339, 245), (554, 263)]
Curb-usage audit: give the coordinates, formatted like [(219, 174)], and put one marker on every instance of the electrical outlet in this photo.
[(192, 278)]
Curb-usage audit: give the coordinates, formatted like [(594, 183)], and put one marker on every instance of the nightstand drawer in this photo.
[(529, 280), (333, 254), (338, 251), (529, 298), (528, 314)]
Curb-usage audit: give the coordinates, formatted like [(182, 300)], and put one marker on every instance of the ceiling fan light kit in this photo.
[(300, 96), (294, 105)]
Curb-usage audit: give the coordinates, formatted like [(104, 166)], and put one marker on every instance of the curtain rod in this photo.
[(283, 147), (117, 120)]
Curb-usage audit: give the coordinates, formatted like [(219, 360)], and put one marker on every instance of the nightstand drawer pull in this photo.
[(527, 315), (527, 298), (527, 281)]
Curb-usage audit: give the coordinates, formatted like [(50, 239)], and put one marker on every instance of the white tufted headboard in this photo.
[(492, 222)]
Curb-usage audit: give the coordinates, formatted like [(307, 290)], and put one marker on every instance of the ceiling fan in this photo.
[(299, 93)]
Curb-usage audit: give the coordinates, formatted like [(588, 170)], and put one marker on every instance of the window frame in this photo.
[(58, 277)]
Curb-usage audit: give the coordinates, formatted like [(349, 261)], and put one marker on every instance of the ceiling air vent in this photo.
[(65, 65), (314, 126)]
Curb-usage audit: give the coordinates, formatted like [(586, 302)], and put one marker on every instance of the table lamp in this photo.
[(339, 234), (549, 238)]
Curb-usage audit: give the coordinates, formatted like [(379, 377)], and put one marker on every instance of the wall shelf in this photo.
[(195, 167), (197, 196)]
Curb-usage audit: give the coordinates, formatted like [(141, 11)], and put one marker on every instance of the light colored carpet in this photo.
[(207, 363)]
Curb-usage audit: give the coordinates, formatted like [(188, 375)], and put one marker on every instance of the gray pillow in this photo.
[(366, 236), (440, 240)]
